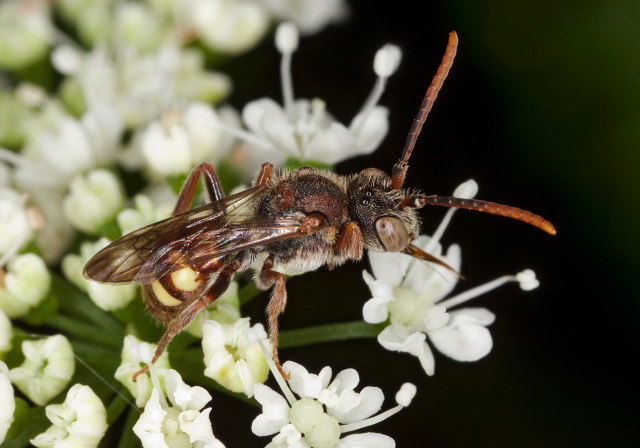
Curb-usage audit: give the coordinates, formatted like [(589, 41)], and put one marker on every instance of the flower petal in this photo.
[(400, 339), (366, 440), (465, 337)]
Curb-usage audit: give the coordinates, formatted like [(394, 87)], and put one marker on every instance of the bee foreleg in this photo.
[(211, 183), (269, 278), (350, 242)]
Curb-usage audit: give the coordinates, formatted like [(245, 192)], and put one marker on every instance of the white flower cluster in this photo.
[(412, 296), (324, 411)]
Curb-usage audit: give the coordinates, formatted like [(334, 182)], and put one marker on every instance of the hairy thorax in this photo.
[(306, 192)]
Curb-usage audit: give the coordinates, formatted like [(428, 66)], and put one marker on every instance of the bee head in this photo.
[(387, 219)]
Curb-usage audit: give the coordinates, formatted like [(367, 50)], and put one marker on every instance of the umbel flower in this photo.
[(183, 423), (302, 129), (80, 421), (232, 354), (411, 295), (132, 357), (325, 410), (46, 370)]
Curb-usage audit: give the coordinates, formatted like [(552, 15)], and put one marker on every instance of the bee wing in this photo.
[(213, 230)]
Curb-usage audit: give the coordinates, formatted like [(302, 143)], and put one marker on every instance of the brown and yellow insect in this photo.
[(298, 220)]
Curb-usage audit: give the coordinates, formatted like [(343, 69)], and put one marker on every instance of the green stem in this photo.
[(328, 333)]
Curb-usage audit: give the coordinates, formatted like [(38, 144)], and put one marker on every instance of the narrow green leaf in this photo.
[(86, 331), (128, 439), (118, 405), (75, 303), (28, 423), (329, 333)]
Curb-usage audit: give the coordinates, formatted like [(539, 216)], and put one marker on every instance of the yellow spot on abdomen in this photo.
[(186, 279), (163, 296)]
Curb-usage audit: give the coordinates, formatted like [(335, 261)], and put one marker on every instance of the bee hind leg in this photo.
[(186, 316), (268, 278)]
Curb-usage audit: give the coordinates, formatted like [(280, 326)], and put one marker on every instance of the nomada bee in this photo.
[(299, 220)]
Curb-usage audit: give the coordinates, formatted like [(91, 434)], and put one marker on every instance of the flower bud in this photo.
[(107, 297), (8, 402), (25, 33), (81, 421), (93, 200), (48, 366), (26, 284)]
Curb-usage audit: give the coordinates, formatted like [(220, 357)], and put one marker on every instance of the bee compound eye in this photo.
[(392, 233)]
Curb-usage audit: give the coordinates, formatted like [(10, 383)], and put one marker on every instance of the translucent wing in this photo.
[(213, 230)]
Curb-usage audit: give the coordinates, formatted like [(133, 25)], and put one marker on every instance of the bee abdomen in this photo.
[(172, 290)]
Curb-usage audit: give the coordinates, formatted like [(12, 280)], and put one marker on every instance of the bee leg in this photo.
[(211, 183), (267, 279), (186, 316), (350, 242)]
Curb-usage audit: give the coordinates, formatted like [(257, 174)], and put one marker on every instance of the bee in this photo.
[(296, 220)]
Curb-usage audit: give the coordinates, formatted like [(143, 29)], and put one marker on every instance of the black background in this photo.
[(540, 109)]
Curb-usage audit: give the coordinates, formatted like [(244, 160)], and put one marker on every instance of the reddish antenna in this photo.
[(400, 168), (494, 209)]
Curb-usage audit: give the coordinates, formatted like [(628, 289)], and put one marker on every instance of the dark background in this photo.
[(541, 108)]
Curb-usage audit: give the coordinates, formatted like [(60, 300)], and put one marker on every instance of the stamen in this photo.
[(466, 190), (276, 374), (403, 398), (287, 43), (385, 64), (526, 279)]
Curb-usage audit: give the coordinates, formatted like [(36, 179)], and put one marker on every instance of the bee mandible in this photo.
[(295, 221)]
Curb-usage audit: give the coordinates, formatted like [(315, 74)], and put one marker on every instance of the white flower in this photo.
[(25, 32), (180, 139), (232, 355), (16, 221), (79, 422), (93, 200), (303, 130), (25, 285), (70, 147), (132, 362), (324, 411), (141, 86), (6, 333), (310, 16), (225, 310), (181, 424), (48, 366), (107, 297), (131, 23), (411, 294), (144, 213), (228, 26), (7, 399)]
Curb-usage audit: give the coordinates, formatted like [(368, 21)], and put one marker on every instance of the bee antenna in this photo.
[(400, 168), (494, 209)]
